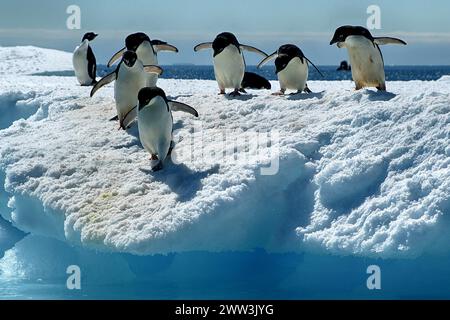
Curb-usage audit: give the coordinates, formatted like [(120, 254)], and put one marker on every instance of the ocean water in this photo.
[(238, 275), (393, 73)]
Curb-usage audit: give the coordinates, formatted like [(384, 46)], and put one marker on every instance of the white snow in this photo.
[(30, 60), (360, 173)]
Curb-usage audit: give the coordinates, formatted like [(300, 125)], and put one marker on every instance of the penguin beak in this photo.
[(333, 42)]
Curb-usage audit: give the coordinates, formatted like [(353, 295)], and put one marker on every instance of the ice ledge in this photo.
[(360, 173)]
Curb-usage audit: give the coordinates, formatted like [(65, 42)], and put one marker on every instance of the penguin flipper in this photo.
[(388, 40), (103, 82), (159, 45), (129, 117), (153, 69), (254, 50), (92, 64), (267, 59), (116, 57), (178, 106), (203, 46), (315, 67)]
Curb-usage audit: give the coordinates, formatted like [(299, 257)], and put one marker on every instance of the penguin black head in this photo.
[(343, 32), (89, 36), (223, 40), (133, 41), (147, 94), (290, 50), (129, 58)]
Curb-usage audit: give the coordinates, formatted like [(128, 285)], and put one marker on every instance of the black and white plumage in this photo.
[(155, 123), (130, 78), (84, 62), (366, 58), (291, 68), (146, 50), (228, 58)]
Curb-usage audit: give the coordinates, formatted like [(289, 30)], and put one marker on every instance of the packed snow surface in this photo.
[(31, 60), (351, 173)]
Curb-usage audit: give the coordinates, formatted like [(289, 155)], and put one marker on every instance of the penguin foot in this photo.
[(235, 93), (157, 167), (242, 90), (278, 93), (153, 157), (307, 90), (222, 92)]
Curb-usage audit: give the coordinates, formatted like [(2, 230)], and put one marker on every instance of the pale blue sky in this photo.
[(425, 25)]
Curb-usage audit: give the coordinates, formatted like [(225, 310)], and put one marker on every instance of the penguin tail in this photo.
[(254, 81)]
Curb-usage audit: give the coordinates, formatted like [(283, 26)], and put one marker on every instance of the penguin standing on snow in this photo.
[(291, 68), (155, 123), (229, 63), (84, 62), (146, 50), (365, 55), (130, 77)]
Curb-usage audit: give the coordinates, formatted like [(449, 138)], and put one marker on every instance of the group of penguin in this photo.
[(137, 96)]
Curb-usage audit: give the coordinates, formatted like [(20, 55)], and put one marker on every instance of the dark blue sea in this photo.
[(393, 73)]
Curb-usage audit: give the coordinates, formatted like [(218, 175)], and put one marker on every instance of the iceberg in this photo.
[(359, 174)]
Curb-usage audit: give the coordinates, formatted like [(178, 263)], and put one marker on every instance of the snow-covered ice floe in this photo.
[(359, 173)]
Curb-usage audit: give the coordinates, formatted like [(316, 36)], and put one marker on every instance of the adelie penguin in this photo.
[(155, 123), (147, 51), (130, 77), (365, 55), (84, 62), (229, 63), (291, 68), (254, 81)]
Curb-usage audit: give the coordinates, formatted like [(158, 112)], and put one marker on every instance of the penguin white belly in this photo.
[(126, 88), (229, 68), (366, 61), (148, 57), (80, 64), (294, 76), (155, 128)]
